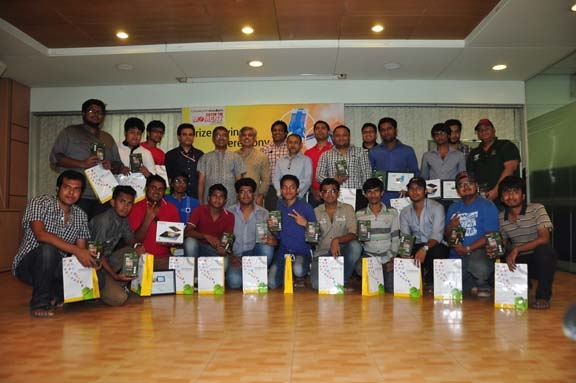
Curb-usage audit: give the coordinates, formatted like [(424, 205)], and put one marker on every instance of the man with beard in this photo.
[(392, 155), (79, 147), (455, 127)]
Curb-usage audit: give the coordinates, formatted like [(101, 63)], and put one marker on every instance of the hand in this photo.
[(107, 165), (492, 194), (213, 241), (335, 248), (221, 251), (235, 261), (86, 258), (419, 256), (454, 222), (341, 180), (145, 172), (460, 250), (140, 250), (511, 259), (125, 170), (91, 161), (271, 240), (122, 278), (389, 266), (300, 219), (152, 210)]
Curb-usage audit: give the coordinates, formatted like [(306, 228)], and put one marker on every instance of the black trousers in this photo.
[(541, 266), (439, 251)]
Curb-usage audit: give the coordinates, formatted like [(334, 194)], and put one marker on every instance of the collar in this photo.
[(522, 211), (125, 143)]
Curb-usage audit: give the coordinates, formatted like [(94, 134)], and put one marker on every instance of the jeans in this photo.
[(300, 268), (541, 266), (42, 269), (194, 248), (352, 251), (477, 270), (234, 273)]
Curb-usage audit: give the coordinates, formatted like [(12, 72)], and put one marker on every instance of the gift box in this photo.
[(80, 283), (255, 275), (330, 275), (170, 232)]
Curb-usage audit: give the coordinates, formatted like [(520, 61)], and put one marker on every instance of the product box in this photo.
[(407, 278), (210, 275), (494, 244), (170, 232), (341, 169), (275, 218), (364, 227), (406, 245), (312, 232)]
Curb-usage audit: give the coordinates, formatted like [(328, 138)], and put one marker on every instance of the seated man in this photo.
[(295, 214), (246, 216), (337, 231), (207, 224), (54, 227), (183, 202), (109, 228), (144, 217), (526, 227), (424, 219), (384, 231)]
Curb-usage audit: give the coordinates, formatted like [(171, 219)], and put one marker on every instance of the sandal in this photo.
[(540, 304), (42, 312)]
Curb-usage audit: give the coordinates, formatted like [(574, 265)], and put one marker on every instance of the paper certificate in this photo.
[(449, 190), (398, 181)]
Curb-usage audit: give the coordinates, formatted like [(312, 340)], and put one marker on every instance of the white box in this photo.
[(255, 275), (330, 275)]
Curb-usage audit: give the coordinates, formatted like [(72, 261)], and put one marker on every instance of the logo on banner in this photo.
[(212, 116)]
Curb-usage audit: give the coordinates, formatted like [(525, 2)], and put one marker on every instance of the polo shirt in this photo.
[(488, 165), (314, 153), (203, 222), (525, 229)]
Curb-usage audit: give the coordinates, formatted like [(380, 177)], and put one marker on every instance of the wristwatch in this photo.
[(425, 247), (468, 250)]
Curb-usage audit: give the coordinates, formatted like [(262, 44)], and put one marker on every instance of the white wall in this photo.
[(545, 93), (143, 97)]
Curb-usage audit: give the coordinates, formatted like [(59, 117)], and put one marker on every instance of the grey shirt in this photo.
[(109, 228), (435, 167)]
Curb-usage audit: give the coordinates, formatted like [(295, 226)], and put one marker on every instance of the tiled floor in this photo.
[(284, 338)]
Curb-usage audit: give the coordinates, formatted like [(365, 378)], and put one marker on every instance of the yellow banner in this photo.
[(300, 119)]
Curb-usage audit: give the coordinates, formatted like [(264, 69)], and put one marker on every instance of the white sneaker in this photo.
[(484, 293)]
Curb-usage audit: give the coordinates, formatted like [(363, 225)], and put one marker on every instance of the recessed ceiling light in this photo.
[(247, 30), (391, 66), (573, 8), (377, 28), (255, 63), (125, 67), (122, 35), (499, 67)]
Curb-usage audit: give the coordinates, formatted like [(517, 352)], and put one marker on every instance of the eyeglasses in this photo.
[(462, 184), (95, 111), (329, 191), (246, 192)]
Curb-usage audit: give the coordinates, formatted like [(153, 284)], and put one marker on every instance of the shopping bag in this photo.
[(372, 277), (102, 182), (80, 283), (142, 285), (330, 275), (448, 279), (407, 278), (255, 275), (511, 287), (211, 275), (288, 282), (184, 270)]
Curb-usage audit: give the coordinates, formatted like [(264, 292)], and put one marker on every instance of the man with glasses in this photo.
[(477, 216), (184, 158), (82, 146)]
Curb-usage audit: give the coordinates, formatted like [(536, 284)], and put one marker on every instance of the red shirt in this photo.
[(167, 212), (157, 154), (204, 223), (314, 153)]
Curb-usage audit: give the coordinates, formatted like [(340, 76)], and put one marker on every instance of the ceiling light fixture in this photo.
[(573, 9), (122, 35), (125, 67), (377, 28), (255, 63), (499, 67), (247, 30), (391, 66)]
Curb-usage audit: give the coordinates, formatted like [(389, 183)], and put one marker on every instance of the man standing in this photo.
[(455, 127), (443, 162), (54, 227), (247, 215), (294, 163), (184, 158), (477, 216), (79, 147), (392, 155), (256, 163), (492, 160), (154, 134), (144, 219), (347, 164), (219, 166), (133, 129), (527, 227), (322, 135), (369, 136), (274, 150)]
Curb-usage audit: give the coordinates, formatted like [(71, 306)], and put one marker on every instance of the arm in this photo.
[(265, 177), (78, 249), (424, 173), (201, 183), (509, 169), (150, 215), (543, 238), (365, 166), (276, 178)]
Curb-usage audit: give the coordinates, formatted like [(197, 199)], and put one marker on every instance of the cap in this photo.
[(483, 121), (465, 174), (419, 181)]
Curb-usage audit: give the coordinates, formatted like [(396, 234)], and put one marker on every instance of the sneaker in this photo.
[(484, 293)]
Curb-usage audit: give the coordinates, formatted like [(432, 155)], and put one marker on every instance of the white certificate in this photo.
[(398, 181), (449, 190)]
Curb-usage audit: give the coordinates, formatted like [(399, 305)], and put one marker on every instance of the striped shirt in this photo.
[(384, 232), (525, 229), (46, 209), (359, 169)]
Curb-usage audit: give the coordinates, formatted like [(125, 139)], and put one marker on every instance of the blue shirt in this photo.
[(184, 207), (245, 232), (293, 236), (478, 218), (429, 226), (300, 166)]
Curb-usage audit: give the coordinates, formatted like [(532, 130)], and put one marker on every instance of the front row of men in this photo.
[(54, 227)]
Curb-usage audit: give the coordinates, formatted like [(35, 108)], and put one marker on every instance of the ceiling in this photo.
[(52, 43)]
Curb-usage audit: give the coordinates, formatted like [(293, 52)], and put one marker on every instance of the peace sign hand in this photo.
[(300, 219)]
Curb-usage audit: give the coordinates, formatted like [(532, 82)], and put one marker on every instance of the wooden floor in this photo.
[(284, 338)]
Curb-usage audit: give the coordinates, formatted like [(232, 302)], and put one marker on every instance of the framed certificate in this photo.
[(163, 282), (397, 181), (434, 188), (449, 190)]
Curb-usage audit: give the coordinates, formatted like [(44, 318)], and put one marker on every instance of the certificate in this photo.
[(449, 190), (434, 188), (163, 282), (398, 181)]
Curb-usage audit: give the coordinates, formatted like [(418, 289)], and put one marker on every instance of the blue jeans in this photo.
[(477, 270), (352, 251), (234, 273), (195, 248), (300, 268)]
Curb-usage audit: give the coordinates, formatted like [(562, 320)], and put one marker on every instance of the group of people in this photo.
[(223, 192)]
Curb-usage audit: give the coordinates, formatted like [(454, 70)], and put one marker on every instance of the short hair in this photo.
[(245, 182), (88, 103), (342, 127), (440, 127), (219, 127), (155, 124), (373, 183), (511, 183), (452, 121), (157, 178), (290, 177), (281, 123), (388, 120), (368, 125), (321, 122), (294, 135), (71, 175), (329, 181), (185, 126), (123, 189), (218, 187), (248, 128), (134, 122), (180, 174)]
